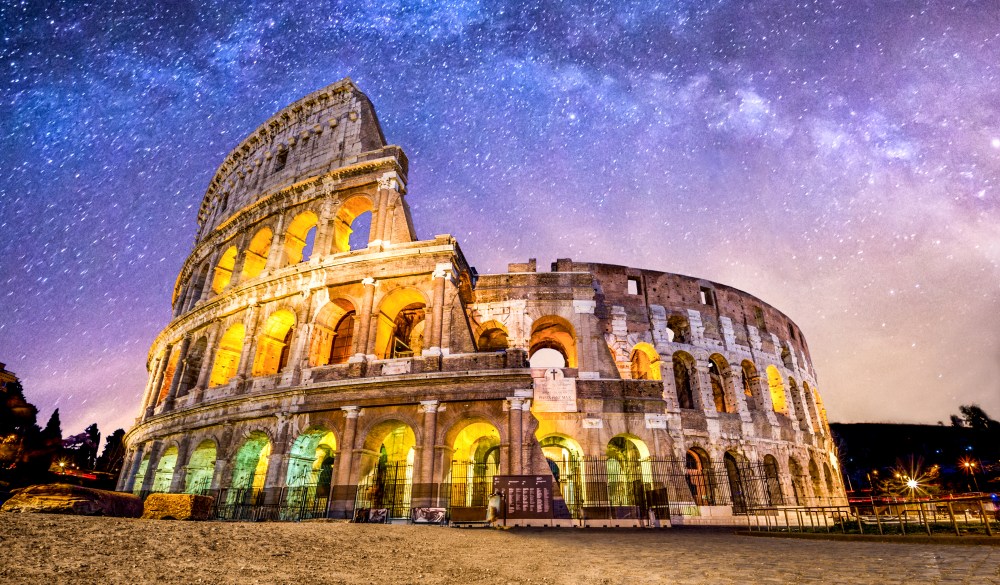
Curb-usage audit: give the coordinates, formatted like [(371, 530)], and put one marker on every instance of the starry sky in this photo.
[(838, 159)]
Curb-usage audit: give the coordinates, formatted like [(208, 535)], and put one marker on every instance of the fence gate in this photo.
[(469, 490), (387, 488)]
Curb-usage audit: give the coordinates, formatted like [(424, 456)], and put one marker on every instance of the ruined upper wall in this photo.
[(330, 128)]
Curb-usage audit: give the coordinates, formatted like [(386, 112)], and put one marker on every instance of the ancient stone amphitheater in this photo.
[(325, 361)]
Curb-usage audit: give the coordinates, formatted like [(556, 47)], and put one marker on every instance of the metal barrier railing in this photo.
[(963, 516)]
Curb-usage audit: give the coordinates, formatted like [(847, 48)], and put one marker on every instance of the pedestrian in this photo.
[(493, 509)]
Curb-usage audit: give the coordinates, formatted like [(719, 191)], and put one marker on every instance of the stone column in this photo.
[(424, 475), (180, 468), (154, 461), (388, 186), (168, 403), (147, 393), (241, 258), (249, 343), (514, 426), (207, 361), (324, 234), (703, 389), (342, 494), (276, 255), (365, 320), (126, 483), (442, 272)]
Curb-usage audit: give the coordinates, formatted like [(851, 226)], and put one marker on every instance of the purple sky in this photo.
[(840, 160)]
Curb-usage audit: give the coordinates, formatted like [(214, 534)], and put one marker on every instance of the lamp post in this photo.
[(970, 467)]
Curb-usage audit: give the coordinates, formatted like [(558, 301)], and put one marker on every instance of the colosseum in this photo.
[(324, 361)]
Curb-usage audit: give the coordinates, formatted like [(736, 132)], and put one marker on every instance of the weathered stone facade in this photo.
[(294, 360)]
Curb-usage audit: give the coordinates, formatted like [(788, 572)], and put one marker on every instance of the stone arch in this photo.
[(224, 269), (493, 336), (227, 355), (201, 468), (195, 288), (165, 470), (779, 400), (800, 411), (310, 468), (333, 333), (173, 361), (140, 474), (749, 381), (797, 478), (698, 473), (627, 463), (810, 398), (348, 215), (300, 237), (772, 480), (645, 362), (274, 343), (735, 465), (192, 369), (400, 323), (786, 356), (565, 459), (553, 333), (820, 409), (475, 461), (255, 256), (684, 373), (679, 327), (816, 480), (719, 374), (386, 467), (830, 482), (250, 463)]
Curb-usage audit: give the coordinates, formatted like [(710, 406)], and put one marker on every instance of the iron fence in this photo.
[(388, 487)]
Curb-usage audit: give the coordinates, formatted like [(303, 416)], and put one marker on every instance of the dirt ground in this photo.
[(66, 550)]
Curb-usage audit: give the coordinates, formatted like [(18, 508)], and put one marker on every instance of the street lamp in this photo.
[(969, 465)]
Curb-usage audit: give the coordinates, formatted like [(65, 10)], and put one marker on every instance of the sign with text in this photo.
[(525, 496), (553, 392)]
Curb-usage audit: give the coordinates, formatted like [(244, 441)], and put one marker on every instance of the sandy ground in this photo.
[(65, 549)]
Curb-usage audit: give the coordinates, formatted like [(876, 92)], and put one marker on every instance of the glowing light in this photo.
[(912, 484)]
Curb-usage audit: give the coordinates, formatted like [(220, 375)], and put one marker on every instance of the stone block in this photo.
[(177, 507), (61, 498)]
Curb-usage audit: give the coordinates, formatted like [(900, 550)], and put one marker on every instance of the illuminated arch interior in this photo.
[(256, 254), (717, 368), (274, 344), (552, 333), (683, 370), (227, 356), (201, 468), (250, 467), (494, 337), (400, 329), (645, 363), (224, 270), (353, 215), (311, 459), (165, 470), (748, 379), (333, 334), (300, 237), (778, 400)]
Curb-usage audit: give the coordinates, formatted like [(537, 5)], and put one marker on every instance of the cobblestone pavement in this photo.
[(64, 549)]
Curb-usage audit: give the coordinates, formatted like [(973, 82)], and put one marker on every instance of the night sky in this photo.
[(840, 160)]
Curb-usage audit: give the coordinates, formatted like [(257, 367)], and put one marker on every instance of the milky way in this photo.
[(840, 160)]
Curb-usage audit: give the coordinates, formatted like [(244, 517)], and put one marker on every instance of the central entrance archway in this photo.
[(385, 489)]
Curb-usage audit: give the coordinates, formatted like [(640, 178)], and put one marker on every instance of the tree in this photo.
[(976, 418), (53, 428), (111, 458)]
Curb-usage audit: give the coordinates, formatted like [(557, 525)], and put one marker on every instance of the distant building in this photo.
[(319, 374)]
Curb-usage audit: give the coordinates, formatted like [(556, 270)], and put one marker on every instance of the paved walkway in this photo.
[(63, 549)]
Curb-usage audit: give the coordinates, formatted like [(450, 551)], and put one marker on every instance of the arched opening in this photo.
[(821, 410), (565, 459), (387, 479), (168, 374), (201, 468), (553, 333), (274, 343), (196, 355), (817, 482), (683, 369), (475, 460), (697, 472), (800, 409), (810, 397), (645, 363), (786, 357), (196, 286), (165, 471), (310, 473), (778, 400), (679, 328), (493, 337), (255, 257), (798, 481), (140, 475), (737, 485), (717, 368), (333, 334), (547, 357), (774, 497), (224, 270), (830, 489), (352, 226), (227, 356), (628, 470), (400, 329), (300, 237), (749, 380), (250, 470)]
